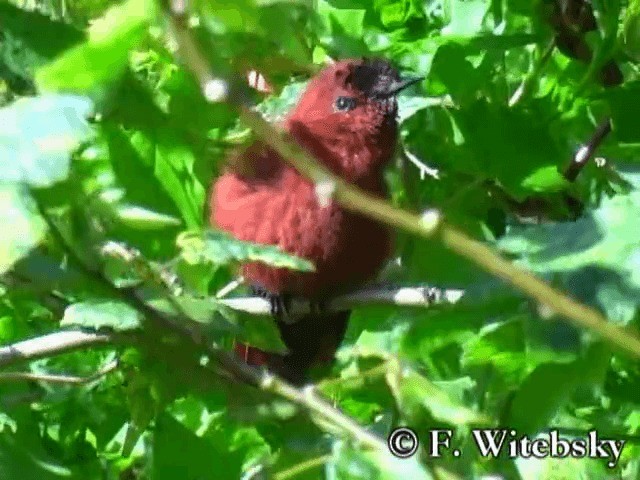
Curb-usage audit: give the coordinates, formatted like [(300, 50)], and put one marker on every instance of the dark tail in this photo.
[(312, 341), (611, 75)]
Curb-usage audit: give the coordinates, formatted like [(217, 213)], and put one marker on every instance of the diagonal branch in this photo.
[(57, 378), (431, 226), (52, 344), (586, 151), (191, 333), (428, 226)]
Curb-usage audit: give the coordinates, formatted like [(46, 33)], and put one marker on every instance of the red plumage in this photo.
[(262, 199)]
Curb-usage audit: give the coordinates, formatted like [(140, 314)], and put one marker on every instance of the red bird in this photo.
[(346, 118)]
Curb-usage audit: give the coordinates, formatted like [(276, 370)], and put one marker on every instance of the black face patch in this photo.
[(374, 77)]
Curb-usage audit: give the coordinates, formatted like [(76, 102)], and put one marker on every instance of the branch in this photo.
[(51, 344), (398, 296), (146, 270), (539, 65), (431, 225), (302, 467), (401, 296), (586, 151), (52, 378), (190, 331)]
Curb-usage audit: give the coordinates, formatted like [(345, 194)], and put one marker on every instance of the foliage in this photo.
[(104, 135)]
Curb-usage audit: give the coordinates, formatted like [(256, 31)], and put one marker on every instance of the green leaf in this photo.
[(503, 346), (415, 393), (256, 330), (37, 136), (129, 157), (599, 253), (24, 228), (395, 13), (197, 458), (622, 102), (144, 219), (23, 456), (551, 385), (461, 78), (632, 29), (30, 39), (105, 55), (545, 179), (259, 331), (174, 164), (363, 465), (465, 16), (510, 348), (342, 29), (507, 144), (546, 389), (97, 314), (220, 248)]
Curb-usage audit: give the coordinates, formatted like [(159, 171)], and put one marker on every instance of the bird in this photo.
[(347, 119)]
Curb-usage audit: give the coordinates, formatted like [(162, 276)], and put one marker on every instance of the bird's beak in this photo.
[(395, 87)]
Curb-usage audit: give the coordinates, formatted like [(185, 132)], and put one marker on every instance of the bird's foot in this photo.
[(280, 303)]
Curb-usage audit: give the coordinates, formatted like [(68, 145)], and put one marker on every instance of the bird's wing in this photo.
[(284, 213)]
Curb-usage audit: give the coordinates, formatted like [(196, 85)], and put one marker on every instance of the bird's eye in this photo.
[(344, 104)]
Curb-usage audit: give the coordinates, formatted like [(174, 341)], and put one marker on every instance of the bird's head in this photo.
[(352, 102)]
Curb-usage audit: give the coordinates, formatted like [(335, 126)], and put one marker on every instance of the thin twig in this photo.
[(586, 151), (356, 381), (229, 287), (302, 467), (51, 344), (400, 296), (52, 378), (525, 86), (146, 270), (422, 167)]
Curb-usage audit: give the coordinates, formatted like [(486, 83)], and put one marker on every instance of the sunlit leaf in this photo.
[(221, 248), (145, 219), (104, 56), (603, 241), (37, 136), (102, 314), (24, 227)]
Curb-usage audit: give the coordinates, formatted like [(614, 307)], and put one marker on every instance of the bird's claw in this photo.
[(279, 303), (280, 306)]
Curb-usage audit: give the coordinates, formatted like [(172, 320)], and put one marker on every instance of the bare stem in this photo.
[(525, 87), (65, 379), (586, 151), (400, 296), (302, 467), (51, 344)]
